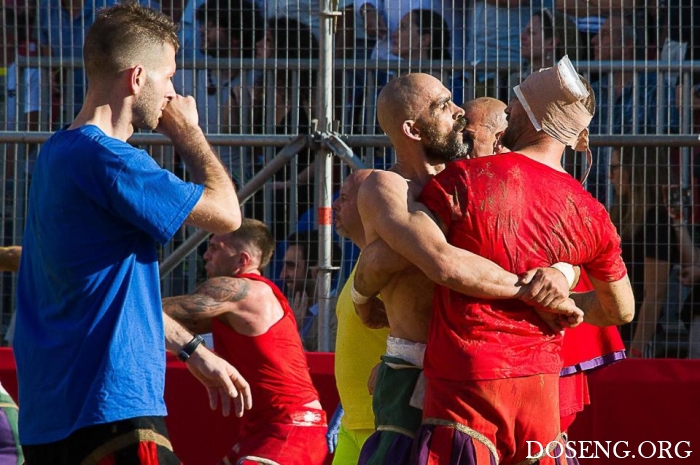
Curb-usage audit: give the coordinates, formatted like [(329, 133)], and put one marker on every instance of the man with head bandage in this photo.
[(565, 110), (492, 367)]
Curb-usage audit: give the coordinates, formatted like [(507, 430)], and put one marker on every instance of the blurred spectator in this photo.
[(305, 12), (27, 94), (627, 100), (682, 21), (26, 107), (494, 32), (547, 38), (228, 29), (638, 176), (286, 111), (299, 274), (422, 36), (383, 17), (589, 16), (187, 80), (351, 42)]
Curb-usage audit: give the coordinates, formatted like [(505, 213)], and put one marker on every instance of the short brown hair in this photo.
[(124, 34), (257, 234)]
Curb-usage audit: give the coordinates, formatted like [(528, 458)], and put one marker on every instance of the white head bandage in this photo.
[(555, 101)]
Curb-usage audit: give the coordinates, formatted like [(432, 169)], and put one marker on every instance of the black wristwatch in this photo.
[(189, 348)]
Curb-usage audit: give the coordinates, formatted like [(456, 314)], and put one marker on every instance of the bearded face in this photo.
[(444, 147), (518, 123)]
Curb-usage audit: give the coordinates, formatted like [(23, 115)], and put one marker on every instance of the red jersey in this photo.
[(520, 214), (586, 346), (274, 364)]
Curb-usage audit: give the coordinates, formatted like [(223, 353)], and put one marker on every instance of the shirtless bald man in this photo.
[(425, 127)]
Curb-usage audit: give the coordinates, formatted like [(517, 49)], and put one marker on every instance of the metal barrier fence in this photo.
[(291, 112)]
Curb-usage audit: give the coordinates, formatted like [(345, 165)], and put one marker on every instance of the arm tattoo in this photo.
[(211, 299)]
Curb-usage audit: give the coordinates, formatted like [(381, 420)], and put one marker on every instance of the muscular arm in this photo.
[(609, 304), (213, 298), (387, 207), (655, 289), (217, 211), (372, 314), (375, 267)]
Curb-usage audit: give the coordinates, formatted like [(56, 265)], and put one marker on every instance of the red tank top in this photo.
[(274, 363)]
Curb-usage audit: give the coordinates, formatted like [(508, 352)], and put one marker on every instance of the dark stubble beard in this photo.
[(445, 148), (508, 136), (516, 126)]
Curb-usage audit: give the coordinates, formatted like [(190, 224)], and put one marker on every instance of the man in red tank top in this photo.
[(254, 326)]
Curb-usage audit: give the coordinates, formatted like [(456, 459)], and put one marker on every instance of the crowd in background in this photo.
[(252, 67)]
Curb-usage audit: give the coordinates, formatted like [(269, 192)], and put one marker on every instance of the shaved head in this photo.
[(489, 111), (486, 121), (416, 111), (405, 98), (348, 222)]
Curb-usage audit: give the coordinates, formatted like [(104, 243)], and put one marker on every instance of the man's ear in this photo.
[(410, 130), (244, 260), (137, 78)]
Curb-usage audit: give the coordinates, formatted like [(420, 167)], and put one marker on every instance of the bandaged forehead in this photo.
[(554, 99)]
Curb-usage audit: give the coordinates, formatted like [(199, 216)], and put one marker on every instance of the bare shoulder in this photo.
[(382, 192), (382, 182), (229, 289)]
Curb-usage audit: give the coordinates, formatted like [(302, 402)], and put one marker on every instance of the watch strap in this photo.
[(189, 348)]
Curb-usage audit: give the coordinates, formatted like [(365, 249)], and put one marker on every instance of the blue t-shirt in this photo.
[(89, 341)]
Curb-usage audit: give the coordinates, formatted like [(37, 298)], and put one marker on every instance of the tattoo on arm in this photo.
[(211, 299)]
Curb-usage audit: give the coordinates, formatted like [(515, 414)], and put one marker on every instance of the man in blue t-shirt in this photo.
[(90, 329)]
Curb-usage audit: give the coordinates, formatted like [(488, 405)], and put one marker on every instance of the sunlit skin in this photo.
[(220, 256), (345, 210), (157, 92), (518, 124), (485, 122)]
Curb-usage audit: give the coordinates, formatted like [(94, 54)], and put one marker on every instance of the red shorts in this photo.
[(500, 416), (573, 397), (289, 443)]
